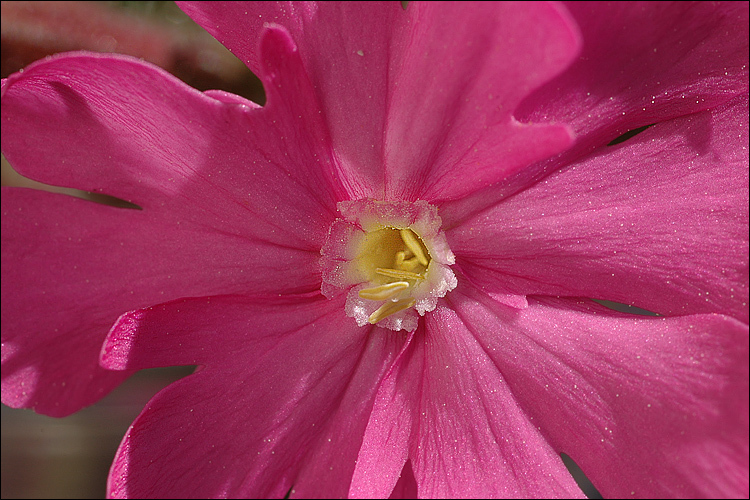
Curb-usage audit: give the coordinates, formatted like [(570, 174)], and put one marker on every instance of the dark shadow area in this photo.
[(289, 493), (580, 478), (106, 199), (628, 135), (617, 306)]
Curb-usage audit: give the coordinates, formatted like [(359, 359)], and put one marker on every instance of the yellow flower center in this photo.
[(394, 260), (391, 258)]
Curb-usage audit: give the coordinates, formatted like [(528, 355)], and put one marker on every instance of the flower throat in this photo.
[(399, 259), (391, 257)]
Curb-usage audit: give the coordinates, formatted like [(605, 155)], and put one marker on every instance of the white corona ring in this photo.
[(393, 259)]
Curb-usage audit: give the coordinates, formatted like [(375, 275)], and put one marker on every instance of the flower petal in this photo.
[(238, 25), (445, 411), (285, 392), (101, 123), (471, 438), (450, 128), (384, 454), (70, 267), (659, 222), (436, 115), (647, 407), (354, 114), (642, 64), (221, 191)]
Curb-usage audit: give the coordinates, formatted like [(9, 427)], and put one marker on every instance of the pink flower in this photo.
[(417, 169)]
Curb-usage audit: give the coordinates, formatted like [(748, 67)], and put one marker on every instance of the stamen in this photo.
[(390, 308), (412, 244), (410, 264), (384, 292), (399, 275), (400, 258)]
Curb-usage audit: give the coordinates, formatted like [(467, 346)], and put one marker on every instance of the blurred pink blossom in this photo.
[(471, 144)]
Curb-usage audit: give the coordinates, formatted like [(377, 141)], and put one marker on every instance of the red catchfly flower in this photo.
[(385, 274)]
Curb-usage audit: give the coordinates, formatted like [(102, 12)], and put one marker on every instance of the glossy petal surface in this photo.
[(426, 119), (648, 407), (644, 63), (447, 409), (643, 223), (641, 63), (221, 191), (282, 412)]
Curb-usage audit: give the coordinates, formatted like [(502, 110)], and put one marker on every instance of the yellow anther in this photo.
[(409, 265), (399, 275), (414, 245), (390, 308), (384, 292), (405, 264), (400, 258)]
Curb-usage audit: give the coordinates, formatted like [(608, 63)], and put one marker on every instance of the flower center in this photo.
[(393, 259)]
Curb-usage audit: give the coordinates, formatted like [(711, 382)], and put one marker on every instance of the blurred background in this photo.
[(44, 457)]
